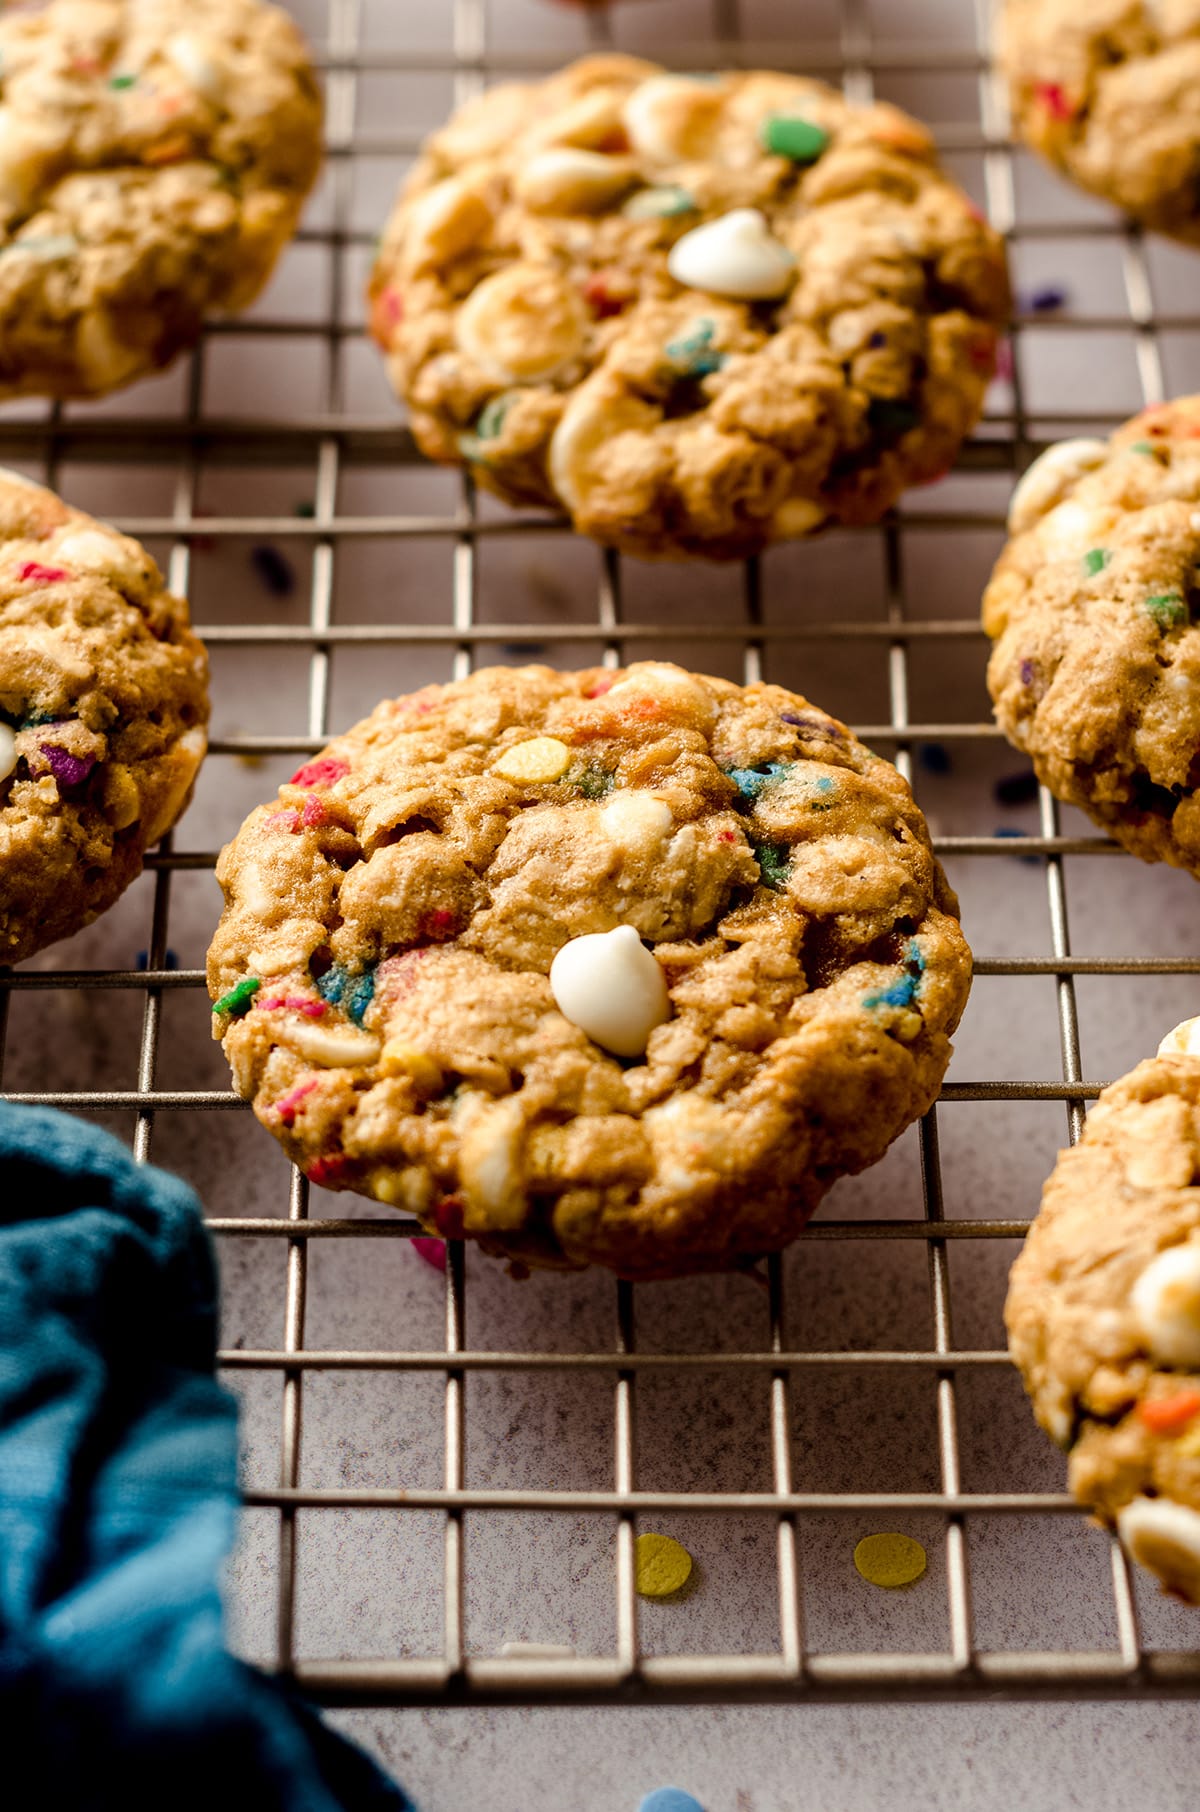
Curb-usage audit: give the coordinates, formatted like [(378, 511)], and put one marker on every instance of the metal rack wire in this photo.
[(332, 443)]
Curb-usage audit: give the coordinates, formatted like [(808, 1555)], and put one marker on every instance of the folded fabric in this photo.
[(118, 1506)]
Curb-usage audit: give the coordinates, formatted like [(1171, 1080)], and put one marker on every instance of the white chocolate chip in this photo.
[(671, 117), (1050, 477), (583, 445), (1165, 1537), (675, 691), (443, 223), (541, 758), (522, 324), (97, 552), (797, 516), (735, 255), (1182, 1040), (8, 751), (565, 179), (1165, 1302), (1194, 520), (591, 120), (611, 987), (197, 61), (335, 1048), (1069, 529), (634, 820), (489, 1160)]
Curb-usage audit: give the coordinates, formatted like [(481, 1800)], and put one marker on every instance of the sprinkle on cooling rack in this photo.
[(662, 1566), (274, 569), (432, 1250), (890, 1560)]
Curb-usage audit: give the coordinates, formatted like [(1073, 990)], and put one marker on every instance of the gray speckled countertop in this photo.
[(369, 1583)]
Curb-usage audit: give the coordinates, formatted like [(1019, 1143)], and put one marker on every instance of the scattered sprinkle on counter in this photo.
[(432, 1250), (670, 1799), (662, 1566), (890, 1560)]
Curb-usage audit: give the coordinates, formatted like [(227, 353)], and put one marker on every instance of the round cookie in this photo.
[(1103, 1311), (1110, 93), (103, 707), (700, 314), (153, 162), (771, 964), (1092, 608)]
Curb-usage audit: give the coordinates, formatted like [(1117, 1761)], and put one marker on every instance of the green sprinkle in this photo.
[(1144, 446), (786, 136), (593, 782), (237, 1002), (659, 203), (1168, 609), (891, 418), (306, 511), (774, 863), (488, 425), (694, 354), (1095, 561), (122, 81)]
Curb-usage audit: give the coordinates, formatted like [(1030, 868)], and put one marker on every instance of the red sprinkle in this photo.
[(1167, 1415), (320, 773), (35, 573), (387, 312), (1055, 100), (287, 821), (729, 836), (602, 298), (324, 1171), (448, 1217), (299, 1003), (438, 922), (288, 1107), (433, 1251), (602, 686), (314, 812)]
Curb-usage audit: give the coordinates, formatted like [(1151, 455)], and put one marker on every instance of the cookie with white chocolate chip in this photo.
[(1093, 609), (699, 314), (621, 967), (1107, 92), (1103, 1311), (103, 707), (153, 162)]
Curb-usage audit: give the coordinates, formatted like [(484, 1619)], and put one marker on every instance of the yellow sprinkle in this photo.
[(662, 1566), (400, 1059), (541, 758), (1188, 1443), (889, 1560)]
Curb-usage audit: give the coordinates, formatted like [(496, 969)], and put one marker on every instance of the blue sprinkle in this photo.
[(903, 992), (695, 354), (934, 757), (170, 960), (670, 1799), (751, 781), (1045, 301), (352, 992)]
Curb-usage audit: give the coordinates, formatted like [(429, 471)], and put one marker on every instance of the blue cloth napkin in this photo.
[(118, 1506)]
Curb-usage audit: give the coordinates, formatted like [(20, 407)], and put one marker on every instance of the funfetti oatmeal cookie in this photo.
[(1109, 91), (1092, 608), (699, 314), (103, 707), (621, 967), (1103, 1311), (154, 156)]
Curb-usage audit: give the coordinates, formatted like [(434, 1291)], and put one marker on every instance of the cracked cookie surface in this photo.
[(153, 163), (103, 707), (698, 314), (1103, 1314), (1109, 92), (383, 970), (1093, 609)]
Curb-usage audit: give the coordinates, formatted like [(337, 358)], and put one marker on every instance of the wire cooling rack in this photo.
[(411, 573)]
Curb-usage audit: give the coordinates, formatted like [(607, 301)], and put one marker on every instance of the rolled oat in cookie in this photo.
[(1109, 92), (154, 158), (699, 314), (615, 967), (103, 707), (1093, 608), (1103, 1311)]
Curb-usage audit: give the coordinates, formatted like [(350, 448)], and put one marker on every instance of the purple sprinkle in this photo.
[(1028, 673), (876, 341), (69, 770), (1017, 789), (819, 726), (1045, 301)]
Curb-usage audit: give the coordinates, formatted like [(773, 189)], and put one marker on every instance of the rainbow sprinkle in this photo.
[(238, 1001)]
